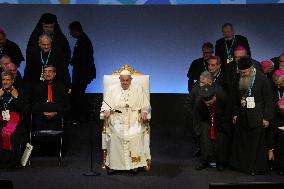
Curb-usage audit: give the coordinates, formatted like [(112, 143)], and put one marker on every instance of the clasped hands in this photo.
[(108, 112), (49, 115)]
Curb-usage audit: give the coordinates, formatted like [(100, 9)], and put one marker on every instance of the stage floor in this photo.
[(172, 165)]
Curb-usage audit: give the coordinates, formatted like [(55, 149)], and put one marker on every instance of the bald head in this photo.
[(12, 68), (44, 42), (4, 62)]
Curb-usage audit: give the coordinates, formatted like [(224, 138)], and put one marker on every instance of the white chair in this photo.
[(144, 82)]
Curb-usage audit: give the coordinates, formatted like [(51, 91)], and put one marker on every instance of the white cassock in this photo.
[(125, 134)]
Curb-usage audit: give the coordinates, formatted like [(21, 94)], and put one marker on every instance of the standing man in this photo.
[(49, 25), (225, 46), (46, 54), (83, 65), (252, 113), (199, 65), (215, 68)]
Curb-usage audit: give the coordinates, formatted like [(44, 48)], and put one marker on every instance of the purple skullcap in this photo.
[(279, 73), (266, 64)]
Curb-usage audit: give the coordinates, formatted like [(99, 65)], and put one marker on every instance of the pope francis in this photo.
[(126, 110)]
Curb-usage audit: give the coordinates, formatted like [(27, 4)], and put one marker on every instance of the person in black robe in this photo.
[(252, 113), (46, 53), (278, 62), (48, 25), (205, 78), (231, 69), (49, 101), (224, 47), (212, 124), (84, 71), (13, 135), (11, 49), (275, 133), (199, 65)]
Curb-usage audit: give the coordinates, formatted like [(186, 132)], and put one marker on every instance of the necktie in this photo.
[(49, 93)]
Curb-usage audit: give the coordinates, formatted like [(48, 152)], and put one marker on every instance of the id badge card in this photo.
[(6, 115), (229, 59), (250, 102)]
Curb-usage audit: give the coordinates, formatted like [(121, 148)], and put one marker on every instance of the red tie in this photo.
[(212, 128), (49, 93)]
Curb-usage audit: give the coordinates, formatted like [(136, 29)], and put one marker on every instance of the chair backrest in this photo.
[(138, 79)]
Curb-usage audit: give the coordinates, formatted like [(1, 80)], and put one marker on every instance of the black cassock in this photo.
[(213, 149), (249, 153), (40, 105), (221, 51), (196, 68), (11, 158), (58, 38), (12, 50), (34, 66), (275, 135)]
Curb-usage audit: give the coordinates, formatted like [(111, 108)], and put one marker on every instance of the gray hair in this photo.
[(44, 36), (206, 75)]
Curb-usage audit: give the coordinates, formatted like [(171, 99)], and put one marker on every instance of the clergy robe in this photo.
[(220, 47), (275, 133), (34, 65), (126, 147), (213, 149), (196, 68), (249, 147), (12, 50), (11, 157)]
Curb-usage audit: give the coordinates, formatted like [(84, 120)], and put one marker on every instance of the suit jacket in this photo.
[(220, 47), (59, 94)]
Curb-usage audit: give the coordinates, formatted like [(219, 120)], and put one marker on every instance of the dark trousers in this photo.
[(79, 102)]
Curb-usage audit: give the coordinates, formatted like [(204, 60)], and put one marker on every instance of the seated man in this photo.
[(125, 108), (50, 101), (13, 106)]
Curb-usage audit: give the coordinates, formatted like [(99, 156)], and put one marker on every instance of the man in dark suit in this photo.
[(83, 65), (225, 46), (49, 101), (199, 65)]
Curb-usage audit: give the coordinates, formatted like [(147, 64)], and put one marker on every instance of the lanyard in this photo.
[(252, 82), (6, 103), (280, 96), (204, 64), (42, 61), (229, 50), (1, 50), (217, 75)]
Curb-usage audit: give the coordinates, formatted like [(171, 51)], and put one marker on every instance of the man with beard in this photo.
[(225, 46), (46, 54), (199, 65), (11, 49), (252, 112), (231, 70), (212, 122)]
